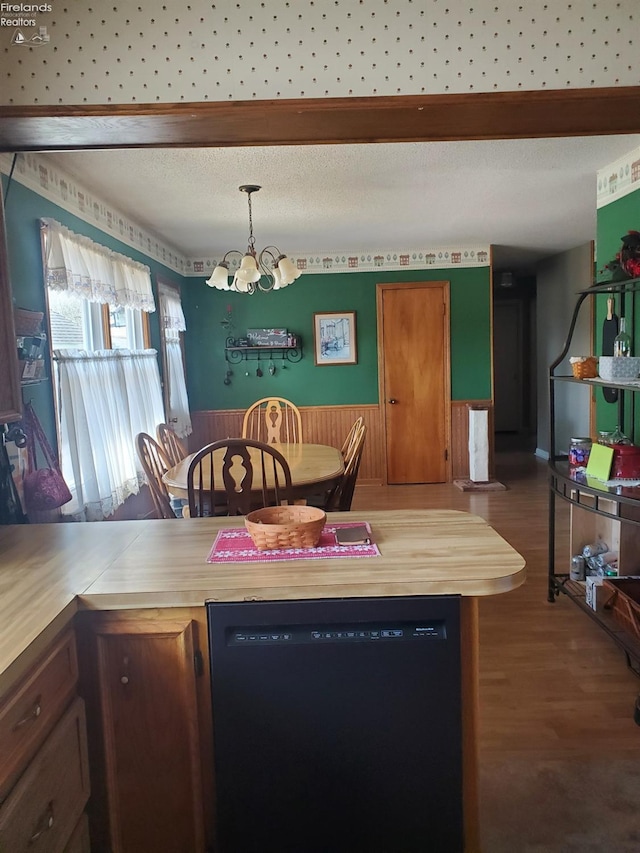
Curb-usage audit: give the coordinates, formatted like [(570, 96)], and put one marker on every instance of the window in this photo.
[(108, 382), (77, 323)]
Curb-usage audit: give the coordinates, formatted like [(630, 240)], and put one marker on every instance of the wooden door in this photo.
[(150, 734), (413, 347)]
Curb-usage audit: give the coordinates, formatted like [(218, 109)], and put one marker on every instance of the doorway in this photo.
[(414, 370), (514, 362), (508, 365)]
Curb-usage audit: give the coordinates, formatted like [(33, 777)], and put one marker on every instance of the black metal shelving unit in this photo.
[(620, 503)]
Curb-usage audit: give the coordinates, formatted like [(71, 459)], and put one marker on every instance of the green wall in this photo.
[(23, 211), (291, 308), (294, 307), (613, 222)]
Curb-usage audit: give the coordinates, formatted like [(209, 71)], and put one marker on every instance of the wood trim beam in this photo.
[(402, 118)]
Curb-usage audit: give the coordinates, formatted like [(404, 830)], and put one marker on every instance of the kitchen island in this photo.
[(148, 580)]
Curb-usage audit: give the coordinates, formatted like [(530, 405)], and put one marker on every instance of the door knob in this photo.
[(392, 401)]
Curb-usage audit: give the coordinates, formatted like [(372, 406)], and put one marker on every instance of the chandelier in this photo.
[(269, 270)]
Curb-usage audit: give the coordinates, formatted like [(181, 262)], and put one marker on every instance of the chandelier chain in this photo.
[(252, 239)]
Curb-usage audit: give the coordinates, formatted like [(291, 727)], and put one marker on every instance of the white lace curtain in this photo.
[(78, 265), (171, 312), (106, 398), (172, 319)]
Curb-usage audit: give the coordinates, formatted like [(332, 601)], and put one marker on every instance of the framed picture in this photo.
[(334, 337)]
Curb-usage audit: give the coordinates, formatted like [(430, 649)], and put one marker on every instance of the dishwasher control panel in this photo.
[(343, 633)]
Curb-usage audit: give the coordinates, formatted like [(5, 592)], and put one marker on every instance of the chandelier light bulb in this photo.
[(220, 277), (288, 272), (248, 270), (240, 285), (277, 279)]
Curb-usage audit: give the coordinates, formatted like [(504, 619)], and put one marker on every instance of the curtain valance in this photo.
[(76, 264)]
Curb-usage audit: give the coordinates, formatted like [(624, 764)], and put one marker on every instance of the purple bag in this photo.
[(44, 488)]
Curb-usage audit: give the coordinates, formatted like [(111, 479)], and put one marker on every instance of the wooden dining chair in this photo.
[(273, 420), (175, 449), (340, 497), (352, 436), (155, 463), (247, 480)]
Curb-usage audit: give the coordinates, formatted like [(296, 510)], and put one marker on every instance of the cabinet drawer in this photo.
[(43, 809), (30, 711), (79, 841)]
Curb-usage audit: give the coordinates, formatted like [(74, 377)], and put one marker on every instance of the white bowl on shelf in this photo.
[(618, 368)]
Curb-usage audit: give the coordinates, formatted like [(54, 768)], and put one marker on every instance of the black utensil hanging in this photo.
[(609, 332)]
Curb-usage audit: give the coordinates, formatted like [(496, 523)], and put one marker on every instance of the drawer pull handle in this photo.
[(45, 823), (33, 714)]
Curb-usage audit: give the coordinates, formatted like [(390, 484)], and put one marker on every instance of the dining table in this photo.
[(314, 468)]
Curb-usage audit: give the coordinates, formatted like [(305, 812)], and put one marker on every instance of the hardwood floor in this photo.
[(555, 691)]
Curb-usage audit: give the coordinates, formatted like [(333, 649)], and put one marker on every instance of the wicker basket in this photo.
[(285, 527), (586, 368), (624, 603)]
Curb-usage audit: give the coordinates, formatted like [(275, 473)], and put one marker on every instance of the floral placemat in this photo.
[(234, 545)]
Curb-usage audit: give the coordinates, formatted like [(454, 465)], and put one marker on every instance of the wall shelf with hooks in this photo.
[(235, 354)]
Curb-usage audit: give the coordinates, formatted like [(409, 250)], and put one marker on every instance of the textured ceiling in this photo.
[(529, 198)]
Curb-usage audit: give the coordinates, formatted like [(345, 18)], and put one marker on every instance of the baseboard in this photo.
[(542, 454)]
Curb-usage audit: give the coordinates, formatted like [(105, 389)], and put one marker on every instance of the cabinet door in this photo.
[(147, 694), (10, 398)]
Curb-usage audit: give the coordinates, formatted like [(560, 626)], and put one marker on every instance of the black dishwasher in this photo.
[(337, 725)]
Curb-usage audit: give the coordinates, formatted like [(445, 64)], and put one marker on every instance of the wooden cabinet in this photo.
[(43, 809), (44, 772), (141, 676), (30, 711), (10, 397), (79, 841)]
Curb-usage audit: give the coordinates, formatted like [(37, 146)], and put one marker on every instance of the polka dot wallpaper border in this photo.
[(148, 51)]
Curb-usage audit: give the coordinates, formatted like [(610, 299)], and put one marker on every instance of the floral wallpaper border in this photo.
[(619, 178), (38, 174), (387, 259)]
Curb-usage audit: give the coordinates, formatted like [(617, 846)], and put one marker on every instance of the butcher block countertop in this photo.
[(49, 571)]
